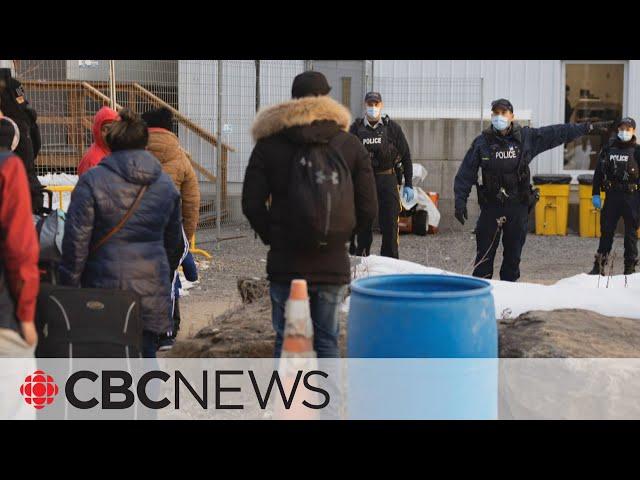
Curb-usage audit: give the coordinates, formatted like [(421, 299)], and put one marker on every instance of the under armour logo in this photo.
[(320, 177), (305, 162)]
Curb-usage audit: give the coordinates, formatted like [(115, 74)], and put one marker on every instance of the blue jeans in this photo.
[(324, 301)]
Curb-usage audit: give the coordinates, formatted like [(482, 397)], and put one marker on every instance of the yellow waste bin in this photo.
[(589, 215), (552, 210)]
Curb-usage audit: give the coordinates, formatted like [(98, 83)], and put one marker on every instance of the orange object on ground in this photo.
[(405, 224), (434, 196), (297, 352), (298, 290), (298, 329)]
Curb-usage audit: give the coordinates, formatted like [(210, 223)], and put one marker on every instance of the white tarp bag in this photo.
[(420, 197), (422, 201)]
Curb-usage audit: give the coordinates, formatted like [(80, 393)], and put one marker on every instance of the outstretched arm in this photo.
[(546, 138)]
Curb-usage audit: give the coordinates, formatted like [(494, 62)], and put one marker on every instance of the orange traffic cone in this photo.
[(297, 353), (298, 329)]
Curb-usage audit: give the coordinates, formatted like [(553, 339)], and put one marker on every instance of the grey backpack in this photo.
[(50, 230)]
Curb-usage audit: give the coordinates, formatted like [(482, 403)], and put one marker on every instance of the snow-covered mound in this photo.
[(607, 296), (59, 179)]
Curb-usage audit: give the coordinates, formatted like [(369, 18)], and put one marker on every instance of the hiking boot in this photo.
[(599, 264), (630, 267)]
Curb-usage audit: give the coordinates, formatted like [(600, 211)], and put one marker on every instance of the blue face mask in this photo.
[(373, 112), (499, 122), (625, 135)]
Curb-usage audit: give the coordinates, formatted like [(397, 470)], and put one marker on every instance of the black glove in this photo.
[(461, 214), (600, 126)]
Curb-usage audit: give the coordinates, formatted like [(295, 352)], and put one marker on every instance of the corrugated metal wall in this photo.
[(534, 85)]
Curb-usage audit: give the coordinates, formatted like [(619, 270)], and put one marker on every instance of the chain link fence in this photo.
[(210, 99), (214, 100), (440, 118)]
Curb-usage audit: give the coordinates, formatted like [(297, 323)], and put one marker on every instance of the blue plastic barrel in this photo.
[(422, 317)]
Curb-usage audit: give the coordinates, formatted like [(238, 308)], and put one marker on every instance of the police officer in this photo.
[(617, 174), (504, 152), (389, 151), (14, 104)]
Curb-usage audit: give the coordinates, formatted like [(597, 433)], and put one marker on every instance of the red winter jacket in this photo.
[(98, 149), (19, 247)]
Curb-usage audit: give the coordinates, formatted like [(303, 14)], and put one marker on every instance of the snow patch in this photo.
[(58, 179), (612, 296)]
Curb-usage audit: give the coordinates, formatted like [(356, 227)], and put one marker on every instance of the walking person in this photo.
[(14, 104), (302, 149), (19, 275), (136, 257), (165, 146), (617, 174), (99, 148)]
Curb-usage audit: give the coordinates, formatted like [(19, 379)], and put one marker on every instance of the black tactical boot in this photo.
[(599, 264), (630, 267)]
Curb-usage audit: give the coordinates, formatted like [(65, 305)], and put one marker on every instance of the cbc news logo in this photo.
[(39, 389)]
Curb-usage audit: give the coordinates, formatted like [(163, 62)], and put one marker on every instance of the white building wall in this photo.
[(534, 86), (633, 89)]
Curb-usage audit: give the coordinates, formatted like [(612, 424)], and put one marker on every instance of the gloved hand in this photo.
[(461, 214), (597, 203), (407, 194), (600, 126)]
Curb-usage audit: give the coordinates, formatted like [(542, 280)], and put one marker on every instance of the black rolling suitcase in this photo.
[(88, 323)]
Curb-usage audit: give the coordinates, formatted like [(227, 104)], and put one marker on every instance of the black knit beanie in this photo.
[(159, 118)]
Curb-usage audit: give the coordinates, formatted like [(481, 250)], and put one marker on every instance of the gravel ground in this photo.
[(544, 260)]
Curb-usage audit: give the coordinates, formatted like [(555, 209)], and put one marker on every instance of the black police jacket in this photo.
[(14, 104), (617, 166), (386, 145), (527, 143)]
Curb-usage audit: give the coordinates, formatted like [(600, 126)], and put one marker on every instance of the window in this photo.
[(593, 92)]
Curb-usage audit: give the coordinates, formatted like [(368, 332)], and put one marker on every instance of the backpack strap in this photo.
[(124, 219)]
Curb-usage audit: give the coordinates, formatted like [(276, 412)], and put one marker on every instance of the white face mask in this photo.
[(373, 112), (500, 122), (625, 135)]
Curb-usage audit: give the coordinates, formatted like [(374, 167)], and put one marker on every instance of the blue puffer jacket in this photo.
[(135, 258)]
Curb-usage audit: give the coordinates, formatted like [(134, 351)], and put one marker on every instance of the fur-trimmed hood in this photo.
[(297, 113)]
